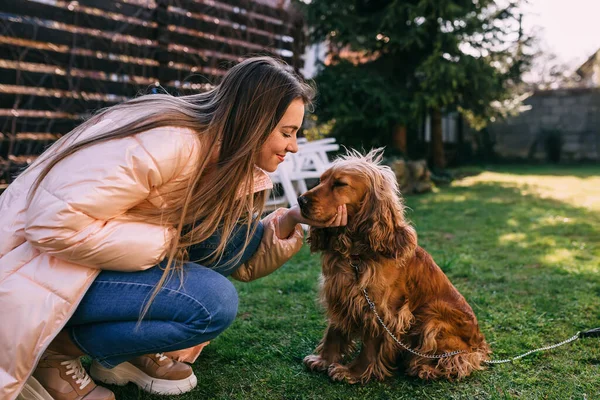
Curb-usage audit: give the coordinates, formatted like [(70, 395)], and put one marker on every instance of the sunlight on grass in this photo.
[(570, 261), (512, 222), (578, 191), (553, 220), (512, 238), (562, 257)]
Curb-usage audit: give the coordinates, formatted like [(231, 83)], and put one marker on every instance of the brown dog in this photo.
[(378, 251)]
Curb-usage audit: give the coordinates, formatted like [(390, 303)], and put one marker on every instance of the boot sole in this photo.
[(33, 390), (124, 373)]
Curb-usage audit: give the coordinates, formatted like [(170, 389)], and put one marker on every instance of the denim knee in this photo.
[(227, 299), (220, 300)]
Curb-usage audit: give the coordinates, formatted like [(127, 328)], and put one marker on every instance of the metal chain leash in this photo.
[(552, 346), (590, 333), (407, 348), (452, 353)]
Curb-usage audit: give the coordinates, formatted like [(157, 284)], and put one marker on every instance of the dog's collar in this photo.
[(354, 261)]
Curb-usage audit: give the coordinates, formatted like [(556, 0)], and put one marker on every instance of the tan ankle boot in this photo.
[(154, 373), (64, 378)]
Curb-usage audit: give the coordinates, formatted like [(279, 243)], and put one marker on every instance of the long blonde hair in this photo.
[(237, 116)]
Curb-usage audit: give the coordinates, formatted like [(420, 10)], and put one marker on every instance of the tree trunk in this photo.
[(437, 144), (399, 139)]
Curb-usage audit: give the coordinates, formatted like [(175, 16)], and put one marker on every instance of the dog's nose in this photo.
[(302, 201)]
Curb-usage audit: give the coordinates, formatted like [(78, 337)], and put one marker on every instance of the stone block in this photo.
[(551, 101), (550, 121), (412, 176), (585, 99), (575, 122), (569, 101)]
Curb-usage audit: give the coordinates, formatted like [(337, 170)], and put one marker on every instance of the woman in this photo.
[(95, 235)]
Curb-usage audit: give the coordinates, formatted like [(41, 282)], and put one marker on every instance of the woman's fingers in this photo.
[(331, 222), (339, 219)]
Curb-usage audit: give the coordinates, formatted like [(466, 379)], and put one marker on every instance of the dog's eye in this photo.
[(339, 184)]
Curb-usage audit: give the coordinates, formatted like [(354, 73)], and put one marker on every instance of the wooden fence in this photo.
[(61, 60)]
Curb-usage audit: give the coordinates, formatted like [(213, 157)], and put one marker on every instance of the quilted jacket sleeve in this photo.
[(272, 252), (74, 213)]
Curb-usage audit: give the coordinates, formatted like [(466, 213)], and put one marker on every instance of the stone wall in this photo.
[(574, 113)]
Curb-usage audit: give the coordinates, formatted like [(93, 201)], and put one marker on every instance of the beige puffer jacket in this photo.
[(77, 225)]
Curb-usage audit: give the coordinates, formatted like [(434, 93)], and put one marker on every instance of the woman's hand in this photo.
[(289, 220), (339, 219)]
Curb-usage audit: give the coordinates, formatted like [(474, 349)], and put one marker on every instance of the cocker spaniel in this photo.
[(377, 254)]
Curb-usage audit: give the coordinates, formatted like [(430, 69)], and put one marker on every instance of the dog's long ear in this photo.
[(406, 241), (380, 221)]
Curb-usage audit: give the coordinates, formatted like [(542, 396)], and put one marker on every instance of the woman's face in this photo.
[(283, 138)]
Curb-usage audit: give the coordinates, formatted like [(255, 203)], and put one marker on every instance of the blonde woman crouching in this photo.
[(117, 241)]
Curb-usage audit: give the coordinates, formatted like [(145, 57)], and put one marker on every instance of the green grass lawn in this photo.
[(522, 244)]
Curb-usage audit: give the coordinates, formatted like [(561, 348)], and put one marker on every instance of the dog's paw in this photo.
[(316, 363), (340, 373), (428, 373)]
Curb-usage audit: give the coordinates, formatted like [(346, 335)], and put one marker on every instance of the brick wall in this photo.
[(575, 113)]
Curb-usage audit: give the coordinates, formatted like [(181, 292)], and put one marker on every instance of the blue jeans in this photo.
[(182, 315)]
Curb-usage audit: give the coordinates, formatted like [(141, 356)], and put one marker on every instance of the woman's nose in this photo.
[(292, 147)]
